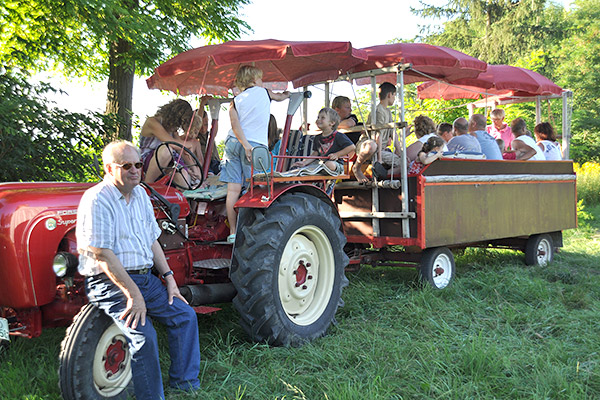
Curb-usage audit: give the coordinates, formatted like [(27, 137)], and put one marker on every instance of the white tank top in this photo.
[(528, 140), (254, 108), (551, 150)]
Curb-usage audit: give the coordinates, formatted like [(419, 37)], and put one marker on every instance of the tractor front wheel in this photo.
[(95, 361)]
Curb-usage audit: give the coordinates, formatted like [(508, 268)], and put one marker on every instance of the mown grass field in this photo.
[(501, 331)]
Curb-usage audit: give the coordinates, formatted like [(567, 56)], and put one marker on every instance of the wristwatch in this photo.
[(169, 272)]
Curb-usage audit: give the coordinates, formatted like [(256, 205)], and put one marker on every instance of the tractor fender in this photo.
[(258, 197)]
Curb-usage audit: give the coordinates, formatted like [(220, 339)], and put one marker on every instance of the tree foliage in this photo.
[(496, 31), (39, 142), (112, 38), (75, 35)]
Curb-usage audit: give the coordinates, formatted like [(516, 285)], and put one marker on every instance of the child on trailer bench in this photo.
[(249, 113), (330, 143)]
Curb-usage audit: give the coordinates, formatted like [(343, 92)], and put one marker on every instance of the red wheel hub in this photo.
[(438, 271), (115, 355), (301, 273)]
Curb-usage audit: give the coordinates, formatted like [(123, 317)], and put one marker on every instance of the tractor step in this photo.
[(213, 263)]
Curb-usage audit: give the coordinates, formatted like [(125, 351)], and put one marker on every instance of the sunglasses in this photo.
[(127, 166)]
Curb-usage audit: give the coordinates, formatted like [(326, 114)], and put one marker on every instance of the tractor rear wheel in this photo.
[(288, 269), (103, 373)]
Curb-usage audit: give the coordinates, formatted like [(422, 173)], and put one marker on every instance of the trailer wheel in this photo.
[(288, 269), (94, 361), (539, 250), (437, 267)]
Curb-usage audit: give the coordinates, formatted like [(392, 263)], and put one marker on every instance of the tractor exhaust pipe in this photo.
[(212, 293)]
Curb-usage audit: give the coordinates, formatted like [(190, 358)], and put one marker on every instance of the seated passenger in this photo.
[(546, 140), (489, 147), (172, 122), (432, 150), (343, 106), (274, 141), (329, 143), (524, 146), (424, 129), (202, 135), (367, 147), (444, 130), (499, 129), (462, 140)]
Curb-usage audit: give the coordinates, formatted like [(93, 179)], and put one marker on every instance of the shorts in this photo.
[(235, 167), (388, 157)]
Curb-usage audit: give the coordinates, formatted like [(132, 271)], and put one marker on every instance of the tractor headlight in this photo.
[(64, 264)]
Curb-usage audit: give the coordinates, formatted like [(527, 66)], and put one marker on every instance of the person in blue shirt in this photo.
[(477, 128)]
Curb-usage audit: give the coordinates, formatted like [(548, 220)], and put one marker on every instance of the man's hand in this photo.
[(173, 290), (135, 311)]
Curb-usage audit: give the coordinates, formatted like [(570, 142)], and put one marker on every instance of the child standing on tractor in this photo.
[(249, 113), (329, 143)]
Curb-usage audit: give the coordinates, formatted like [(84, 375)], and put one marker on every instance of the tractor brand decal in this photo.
[(66, 222), (51, 224), (66, 212)]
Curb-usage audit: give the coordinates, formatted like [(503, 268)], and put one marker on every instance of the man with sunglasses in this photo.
[(117, 239)]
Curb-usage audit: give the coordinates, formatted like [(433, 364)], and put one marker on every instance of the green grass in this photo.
[(501, 331)]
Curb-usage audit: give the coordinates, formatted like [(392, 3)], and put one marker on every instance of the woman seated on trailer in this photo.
[(546, 140), (424, 128), (173, 122), (432, 150)]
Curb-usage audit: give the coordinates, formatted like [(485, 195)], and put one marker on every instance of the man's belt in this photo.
[(142, 271)]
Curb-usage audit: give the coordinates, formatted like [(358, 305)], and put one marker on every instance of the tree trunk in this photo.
[(120, 86)]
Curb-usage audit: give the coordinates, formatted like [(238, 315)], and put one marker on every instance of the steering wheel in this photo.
[(179, 168)]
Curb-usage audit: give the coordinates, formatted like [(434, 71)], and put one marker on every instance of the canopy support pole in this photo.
[(375, 188), (404, 169), (538, 110), (566, 124)]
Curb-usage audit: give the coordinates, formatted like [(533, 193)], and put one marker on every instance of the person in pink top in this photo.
[(499, 129)]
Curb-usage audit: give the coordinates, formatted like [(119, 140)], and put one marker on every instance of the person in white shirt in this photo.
[(524, 146), (546, 140)]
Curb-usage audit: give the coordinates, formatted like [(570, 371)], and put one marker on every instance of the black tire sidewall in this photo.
[(427, 261), (531, 249), (326, 317), (76, 371)]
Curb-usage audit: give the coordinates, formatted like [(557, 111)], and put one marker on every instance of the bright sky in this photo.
[(349, 20)]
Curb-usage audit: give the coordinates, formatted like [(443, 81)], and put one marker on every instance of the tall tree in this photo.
[(115, 38), (496, 31)]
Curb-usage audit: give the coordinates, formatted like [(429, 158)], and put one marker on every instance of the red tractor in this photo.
[(285, 276)]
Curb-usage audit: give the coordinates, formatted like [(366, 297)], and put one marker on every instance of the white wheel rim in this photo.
[(441, 271), (306, 275), (112, 363), (543, 252)]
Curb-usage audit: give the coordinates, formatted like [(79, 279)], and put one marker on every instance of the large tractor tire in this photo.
[(288, 269), (94, 361)]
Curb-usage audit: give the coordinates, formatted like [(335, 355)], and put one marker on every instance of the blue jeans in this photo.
[(182, 331)]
